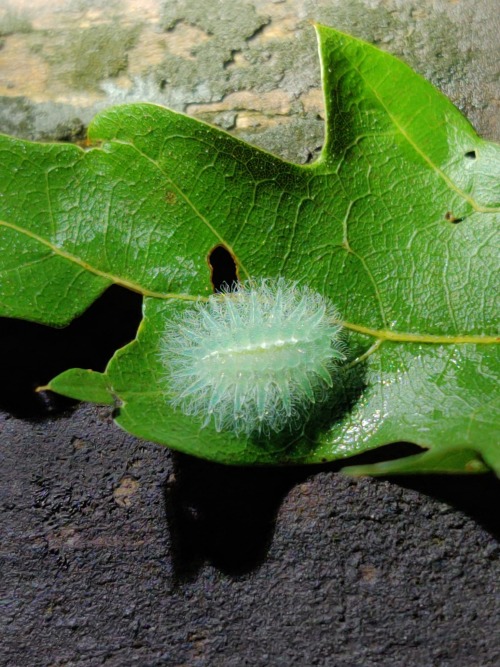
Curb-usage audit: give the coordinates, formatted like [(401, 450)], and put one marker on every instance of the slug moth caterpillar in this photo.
[(254, 360)]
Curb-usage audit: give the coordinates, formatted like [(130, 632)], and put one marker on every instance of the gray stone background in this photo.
[(117, 551)]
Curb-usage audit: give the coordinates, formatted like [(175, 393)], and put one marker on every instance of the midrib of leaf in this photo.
[(380, 334), (475, 205), (401, 337)]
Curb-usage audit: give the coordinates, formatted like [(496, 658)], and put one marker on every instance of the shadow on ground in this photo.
[(223, 515), (226, 516), (32, 354)]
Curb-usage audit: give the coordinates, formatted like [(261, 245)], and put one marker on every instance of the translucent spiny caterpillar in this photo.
[(254, 360)]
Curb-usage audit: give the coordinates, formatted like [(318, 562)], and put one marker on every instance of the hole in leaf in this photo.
[(223, 268), (32, 354), (470, 155)]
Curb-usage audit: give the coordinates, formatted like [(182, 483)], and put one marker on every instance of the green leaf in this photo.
[(84, 385), (396, 223)]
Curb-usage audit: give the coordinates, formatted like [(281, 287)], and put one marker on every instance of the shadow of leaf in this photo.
[(32, 354)]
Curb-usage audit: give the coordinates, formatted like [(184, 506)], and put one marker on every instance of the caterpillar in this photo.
[(254, 360)]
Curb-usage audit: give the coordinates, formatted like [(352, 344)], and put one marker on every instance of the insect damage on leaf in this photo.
[(254, 360)]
